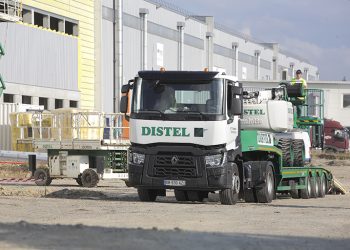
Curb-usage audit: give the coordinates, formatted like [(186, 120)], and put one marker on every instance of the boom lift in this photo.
[(199, 132)]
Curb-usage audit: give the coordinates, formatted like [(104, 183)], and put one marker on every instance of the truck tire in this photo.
[(229, 196), (181, 195), (323, 186), (147, 195), (306, 193), (314, 187), (299, 153), (89, 178), (267, 193), (196, 195), (287, 151), (250, 195), (42, 177)]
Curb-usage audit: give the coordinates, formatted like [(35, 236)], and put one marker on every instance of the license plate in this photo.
[(176, 183)]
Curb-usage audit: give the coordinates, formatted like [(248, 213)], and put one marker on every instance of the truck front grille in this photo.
[(175, 166)]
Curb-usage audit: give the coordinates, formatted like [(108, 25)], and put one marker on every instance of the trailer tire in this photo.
[(287, 151), (295, 193), (89, 178), (42, 177), (78, 180), (323, 186), (314, 187), (180, 195), (299, 153), (267, 193), (147, 195), (306, 193), (229, 196)]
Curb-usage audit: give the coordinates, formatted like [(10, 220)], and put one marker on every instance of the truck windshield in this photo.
[(178, 100)]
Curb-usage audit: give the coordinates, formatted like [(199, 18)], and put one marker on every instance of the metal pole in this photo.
[(180, 28), (118, 52), (144, 30), (32, 163)]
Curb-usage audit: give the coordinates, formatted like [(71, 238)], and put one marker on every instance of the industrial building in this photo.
[(77, 53)]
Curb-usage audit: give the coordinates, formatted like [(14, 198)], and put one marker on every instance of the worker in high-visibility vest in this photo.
[(298, 79)]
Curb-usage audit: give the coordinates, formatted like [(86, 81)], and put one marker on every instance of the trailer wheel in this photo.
[(323, 186), (267, 193), (89, 178), (299, 153), (229, 196), (314, 187), (287, 151), (42, 177), (306, 193), (78, 180), (295, 193), (180, 195), (147, 195)]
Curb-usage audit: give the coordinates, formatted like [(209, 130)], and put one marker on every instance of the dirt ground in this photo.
[(65, 216)]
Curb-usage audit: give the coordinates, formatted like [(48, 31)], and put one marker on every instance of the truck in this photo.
[(198, 132), (336, 136), (80, 144)]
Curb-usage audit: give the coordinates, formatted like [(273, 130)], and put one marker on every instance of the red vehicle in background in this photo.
[(336, 136)]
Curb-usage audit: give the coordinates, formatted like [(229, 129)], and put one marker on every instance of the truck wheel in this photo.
[(250, 195), (181, 195), (287, 151), (267, 193), (323, 186), (229, 196), (78, 180), (147, 195), (42, 177), (89, 178), (314, 188), (306, 193), (299, 153)]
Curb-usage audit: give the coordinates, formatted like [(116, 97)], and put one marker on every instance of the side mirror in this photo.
[(125, 88), (236, 101), (236, 106), (124, 104)]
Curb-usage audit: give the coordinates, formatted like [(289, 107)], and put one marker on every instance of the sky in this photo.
[(318, 30)]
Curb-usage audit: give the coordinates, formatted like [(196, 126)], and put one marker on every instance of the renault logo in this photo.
[(174, 159)]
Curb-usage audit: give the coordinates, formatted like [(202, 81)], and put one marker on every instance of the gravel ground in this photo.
[(65, 216)]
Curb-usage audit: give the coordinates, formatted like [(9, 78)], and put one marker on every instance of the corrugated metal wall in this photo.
[(5, 128), (39, 57)]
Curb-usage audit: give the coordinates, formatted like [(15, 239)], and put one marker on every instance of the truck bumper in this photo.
[(209, 179)]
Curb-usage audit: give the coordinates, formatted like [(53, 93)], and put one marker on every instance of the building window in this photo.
[(27, 16), (346, 101), (71, 28), (43, 102), (8, 98), (54, 23), (73, 104), (26, 99), (38, 19), (58, 103)]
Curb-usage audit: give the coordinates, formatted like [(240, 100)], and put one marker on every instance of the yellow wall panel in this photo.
[(83, 12)]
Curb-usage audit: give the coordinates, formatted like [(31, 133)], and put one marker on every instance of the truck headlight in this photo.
[(138, 158), (213, 160)]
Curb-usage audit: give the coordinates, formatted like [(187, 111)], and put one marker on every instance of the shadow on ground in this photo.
[(23, 235)]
